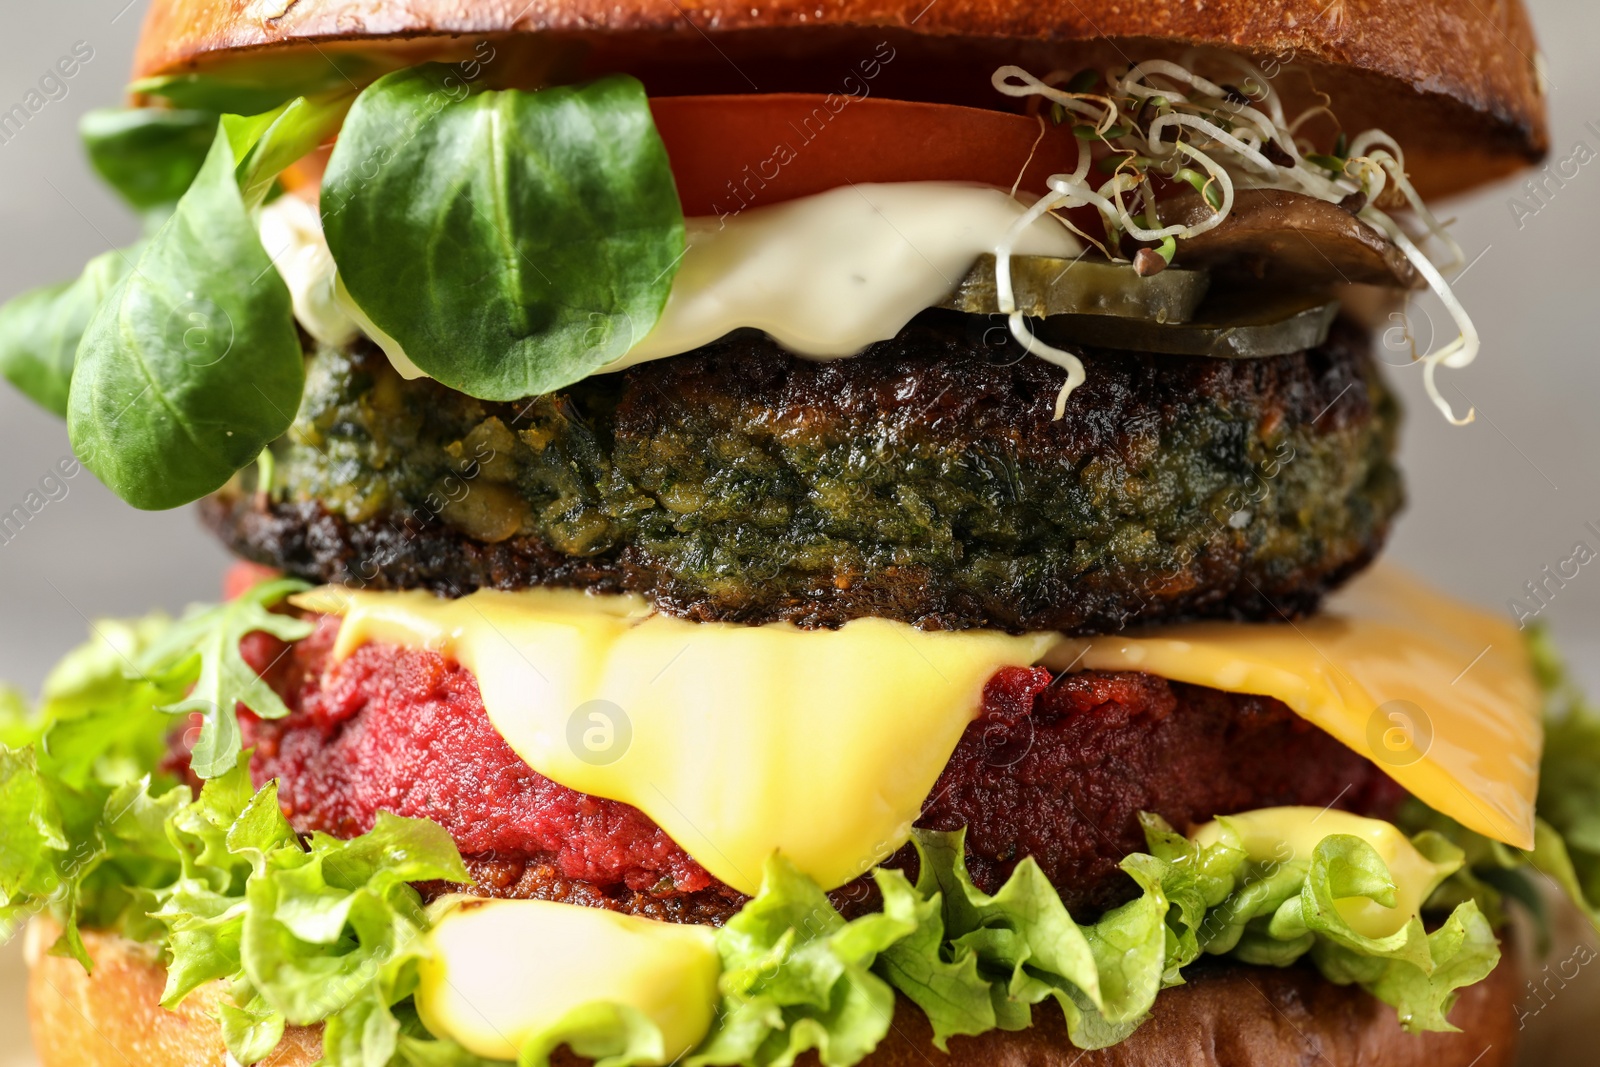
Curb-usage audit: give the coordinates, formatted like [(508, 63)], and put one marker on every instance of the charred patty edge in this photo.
[(308, 542)]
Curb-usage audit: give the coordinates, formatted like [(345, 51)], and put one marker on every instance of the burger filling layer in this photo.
[(1057, 767), (924, 481)]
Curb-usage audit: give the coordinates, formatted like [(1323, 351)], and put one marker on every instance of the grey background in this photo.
[(1491, 504)]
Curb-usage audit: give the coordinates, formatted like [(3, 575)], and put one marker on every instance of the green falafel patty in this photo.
[(924, 480)]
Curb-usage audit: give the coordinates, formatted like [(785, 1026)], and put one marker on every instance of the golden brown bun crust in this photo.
[(1227, 1016), (1454, 78), (114, 1017)]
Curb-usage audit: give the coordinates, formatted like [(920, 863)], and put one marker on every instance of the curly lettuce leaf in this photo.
[(80, 810), (89, 828), (796, 976), (613, 1035), (304, 932), (200, 652), (86, 855), (329, 931), (33, 827), (981, 961), (1566, 852), (1567, 846), (977, 961)]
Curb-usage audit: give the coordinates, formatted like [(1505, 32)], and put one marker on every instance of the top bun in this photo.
[(1456, 82)]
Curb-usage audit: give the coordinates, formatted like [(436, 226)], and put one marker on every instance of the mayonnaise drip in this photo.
[(825, 275), (829, 274), (291, 232)]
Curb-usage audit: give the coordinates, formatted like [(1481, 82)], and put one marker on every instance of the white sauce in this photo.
[(824, 275), (829, 274), (291, 232)]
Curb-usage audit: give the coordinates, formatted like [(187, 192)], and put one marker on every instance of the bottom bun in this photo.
[(113, 1017), (1228, 1015)]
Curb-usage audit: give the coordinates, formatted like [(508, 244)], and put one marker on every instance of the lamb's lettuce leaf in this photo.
[(261, 81), (508, 242), (40, 329), (149, 155), (192, 363)]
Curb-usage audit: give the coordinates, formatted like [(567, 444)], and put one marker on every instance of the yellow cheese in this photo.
[(736, 740), (741, 740), (1437, 693), (501, 971), (1288, 835)]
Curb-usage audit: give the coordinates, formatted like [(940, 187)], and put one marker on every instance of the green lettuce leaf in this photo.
[(33, 828), (40, 329), (992, 957), (200, 653), (85, 855), (329, 931), (81, 813), (261, 81), (149, 155), (979, 961), (89, 830), (508, 242), (613, 1035), (192, 363), (1566, 852), (321, 931), (1568, 844), (796, 976)]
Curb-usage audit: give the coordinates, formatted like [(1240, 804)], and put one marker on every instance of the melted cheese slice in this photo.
[(1437, 693), (736, 740), (742, 740), (501, 972)]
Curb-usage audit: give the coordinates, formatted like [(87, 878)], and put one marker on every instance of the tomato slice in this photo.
[(730, 153)]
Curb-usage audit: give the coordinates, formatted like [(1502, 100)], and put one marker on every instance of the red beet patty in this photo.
[(1056, 767)]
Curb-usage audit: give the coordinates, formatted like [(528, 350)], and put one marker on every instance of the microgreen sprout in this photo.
[(1160, 118)]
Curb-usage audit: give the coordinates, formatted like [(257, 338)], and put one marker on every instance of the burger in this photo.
[(832, 534)]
